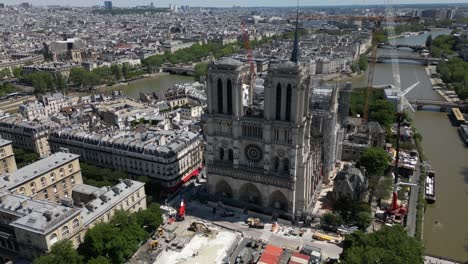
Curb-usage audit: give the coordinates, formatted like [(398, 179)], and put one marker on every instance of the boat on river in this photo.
[(463, 130), (429, 191)]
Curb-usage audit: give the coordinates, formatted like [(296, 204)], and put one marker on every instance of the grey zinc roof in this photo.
[(34, 170), (4, 142), (35, 215), (228, 62), (109, 199)]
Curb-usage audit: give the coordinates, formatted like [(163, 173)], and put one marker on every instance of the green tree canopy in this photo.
[(363, 62), (332, 219), (61, 252), (376, 161), (429, 41), (201, 69), (99, 260), (353, 212), (383, 112), (388, 245)]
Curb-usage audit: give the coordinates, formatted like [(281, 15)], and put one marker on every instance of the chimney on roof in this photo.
[(48, 215)]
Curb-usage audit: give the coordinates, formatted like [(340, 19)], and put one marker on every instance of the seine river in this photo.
[(158, 83), (445, 230), (446, 221)]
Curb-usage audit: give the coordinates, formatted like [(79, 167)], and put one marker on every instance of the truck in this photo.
[(255, 223)]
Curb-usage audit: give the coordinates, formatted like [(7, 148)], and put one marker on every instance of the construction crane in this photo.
[(181, 211), (402, 105), (253, 74)]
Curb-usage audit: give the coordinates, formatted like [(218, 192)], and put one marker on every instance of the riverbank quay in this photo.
[(440, 87)]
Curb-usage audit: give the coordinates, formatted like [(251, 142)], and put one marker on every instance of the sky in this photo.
[(223, 3)]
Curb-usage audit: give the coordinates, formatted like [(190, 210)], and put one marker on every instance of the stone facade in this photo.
[(26, 135), (48, 179), (262, 160), (165, 156), (7, 157), (35, 225)]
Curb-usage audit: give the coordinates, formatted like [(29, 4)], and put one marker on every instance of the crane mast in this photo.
[(253, 75)]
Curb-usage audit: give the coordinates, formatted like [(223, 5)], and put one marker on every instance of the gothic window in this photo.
[(286, 165), (220, 96), (278, 102), (231, 155), (277, 163), (221, 153), (288, 102), (229, 97)]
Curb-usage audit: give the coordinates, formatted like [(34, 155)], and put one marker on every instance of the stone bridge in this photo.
[(190, 71), (423, 60), (444, 105)]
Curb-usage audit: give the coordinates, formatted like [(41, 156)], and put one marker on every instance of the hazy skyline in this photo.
[(223, 3)]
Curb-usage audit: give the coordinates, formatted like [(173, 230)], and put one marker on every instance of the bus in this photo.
[(325, 237), (459, 118)]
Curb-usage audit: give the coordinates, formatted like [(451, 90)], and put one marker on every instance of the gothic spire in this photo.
[(295, 52)]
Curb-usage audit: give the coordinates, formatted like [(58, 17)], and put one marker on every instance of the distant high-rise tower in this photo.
[(108, 5), (2, 5)]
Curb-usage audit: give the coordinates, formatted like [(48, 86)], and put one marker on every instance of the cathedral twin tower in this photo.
[(264, 161)]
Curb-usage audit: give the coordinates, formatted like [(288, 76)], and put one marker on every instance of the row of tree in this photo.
[(6, 88), (45, 82), (106, 243), (455, 72), (103, 75), (349, 212), (388, 245)]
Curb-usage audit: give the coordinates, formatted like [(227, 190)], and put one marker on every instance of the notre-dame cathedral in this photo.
[(263, 159)]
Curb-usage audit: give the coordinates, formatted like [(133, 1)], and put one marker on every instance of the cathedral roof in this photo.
[(228, 62)]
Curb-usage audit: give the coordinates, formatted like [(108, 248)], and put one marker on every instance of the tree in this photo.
[(116, 71), (17, 72), (78, 76), (106, 240), (383, 188), (126, 71), (388, 245), (383, 112), (429, 41), (151, 218), (332, 219), (61, 252), (376, 161), (62, 83), (99, 260), (201, 69), (363, 62), (353, 212)]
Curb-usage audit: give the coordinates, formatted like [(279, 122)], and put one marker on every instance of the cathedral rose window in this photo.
[(254, 153)]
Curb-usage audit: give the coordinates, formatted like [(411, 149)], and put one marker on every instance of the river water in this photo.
[(445, 230), (158, 83)]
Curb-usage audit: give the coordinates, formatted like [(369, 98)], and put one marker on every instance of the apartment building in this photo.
[(7, 157), (47, 179)]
